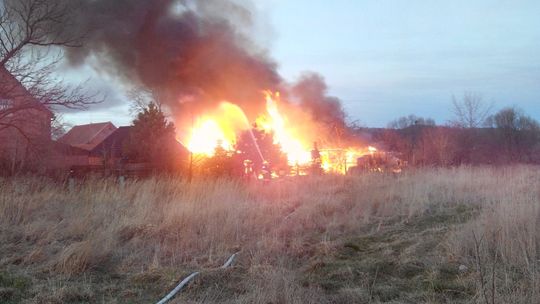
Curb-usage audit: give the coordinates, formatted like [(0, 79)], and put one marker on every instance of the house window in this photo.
[(5, 104)]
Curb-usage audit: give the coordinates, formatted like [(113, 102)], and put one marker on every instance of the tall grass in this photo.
[(163, 222)]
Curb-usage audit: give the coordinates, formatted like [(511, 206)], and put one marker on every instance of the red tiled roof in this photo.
[(88, 136)]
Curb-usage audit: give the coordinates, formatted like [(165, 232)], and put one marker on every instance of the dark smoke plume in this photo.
[(311, 93), (197, 50), (176, 48)]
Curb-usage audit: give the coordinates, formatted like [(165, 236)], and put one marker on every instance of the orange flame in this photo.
[(221, 126), (216, 128), (276, 123)]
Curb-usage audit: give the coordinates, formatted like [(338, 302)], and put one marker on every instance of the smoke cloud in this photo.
[(176, 48), (191, 53), (311, 93)]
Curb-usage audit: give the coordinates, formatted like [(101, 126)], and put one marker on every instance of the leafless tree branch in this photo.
[(471, 111), (31, 34)]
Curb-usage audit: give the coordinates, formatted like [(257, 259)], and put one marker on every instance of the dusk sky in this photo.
[(386, 59)]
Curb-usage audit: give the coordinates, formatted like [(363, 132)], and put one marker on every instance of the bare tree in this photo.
[(519, 133), (33, 35), (141, 98), (440, 145), (470, 111), (59, 127)]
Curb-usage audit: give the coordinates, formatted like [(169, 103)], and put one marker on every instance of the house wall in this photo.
[(25, 127)]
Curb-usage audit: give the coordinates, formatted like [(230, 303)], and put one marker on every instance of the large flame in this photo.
[(217, 128), (297, 152), (295, 136)]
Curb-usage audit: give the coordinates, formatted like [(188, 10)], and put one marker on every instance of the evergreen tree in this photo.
[(152, 140)]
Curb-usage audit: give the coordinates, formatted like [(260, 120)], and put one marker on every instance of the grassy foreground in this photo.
[(465, 235)]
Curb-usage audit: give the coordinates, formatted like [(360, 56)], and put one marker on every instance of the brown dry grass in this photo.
[(308, 240)]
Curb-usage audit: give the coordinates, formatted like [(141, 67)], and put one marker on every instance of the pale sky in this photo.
[(386, 59)]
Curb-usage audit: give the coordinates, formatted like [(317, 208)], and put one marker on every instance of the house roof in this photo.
[(88, 136), (11, 88), (115, 141)]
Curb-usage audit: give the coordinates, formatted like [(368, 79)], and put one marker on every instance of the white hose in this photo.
[(229, 261), (178, 288), (191, 277)]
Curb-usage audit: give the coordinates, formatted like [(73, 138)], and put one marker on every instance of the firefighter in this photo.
[(316, 161), (248, 169), (266, 173)]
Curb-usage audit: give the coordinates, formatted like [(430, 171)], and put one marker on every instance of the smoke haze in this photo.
[(192, 54)]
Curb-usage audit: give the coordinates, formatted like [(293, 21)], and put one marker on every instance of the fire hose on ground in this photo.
[(189, 278)]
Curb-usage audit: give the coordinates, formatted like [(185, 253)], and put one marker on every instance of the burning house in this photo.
[(286, 126), (221, 89)]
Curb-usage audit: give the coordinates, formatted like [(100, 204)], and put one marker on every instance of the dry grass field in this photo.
[(465, 235)]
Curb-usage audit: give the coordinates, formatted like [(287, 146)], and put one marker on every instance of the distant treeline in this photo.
[(509, 136)]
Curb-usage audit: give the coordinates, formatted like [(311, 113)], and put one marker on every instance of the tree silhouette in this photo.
[(258, 146), (222, 163), (152, 140)]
